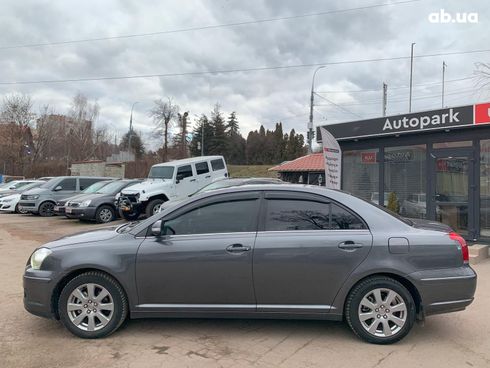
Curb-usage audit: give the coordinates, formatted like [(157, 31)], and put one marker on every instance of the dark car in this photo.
[(256, 251), (59, 208), (98, 205)]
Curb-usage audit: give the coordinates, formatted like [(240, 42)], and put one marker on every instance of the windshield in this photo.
[(95, 187), (161, 172), (112, 188)]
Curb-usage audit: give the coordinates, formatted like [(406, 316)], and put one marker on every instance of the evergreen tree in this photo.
[(202, 126), (137, 146), (218, 143)]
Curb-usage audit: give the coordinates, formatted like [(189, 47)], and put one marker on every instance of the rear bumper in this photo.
[(38, 289), (59, 210), (446, 290)]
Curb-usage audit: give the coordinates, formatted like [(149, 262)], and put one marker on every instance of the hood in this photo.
[(10, 197), (430, 225), (146, 185), (35, 191), (91, 236), (7, 193)]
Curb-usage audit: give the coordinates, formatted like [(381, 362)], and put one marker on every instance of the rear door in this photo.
[(306, 247)]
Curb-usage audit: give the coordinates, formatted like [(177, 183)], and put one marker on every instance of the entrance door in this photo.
[(453, 186)]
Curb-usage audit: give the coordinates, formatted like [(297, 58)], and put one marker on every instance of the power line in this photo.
[(398, 87), (213, 26), (340, 107), (225, 71)]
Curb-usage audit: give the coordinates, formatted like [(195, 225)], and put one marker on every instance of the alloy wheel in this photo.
[(105, 215), (90, 307), (382, 312)]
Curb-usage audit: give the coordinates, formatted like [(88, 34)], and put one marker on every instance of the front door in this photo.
[(185, 181), (452, 201), (203, 258)]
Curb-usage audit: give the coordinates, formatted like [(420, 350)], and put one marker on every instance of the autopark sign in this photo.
[(453, 117)]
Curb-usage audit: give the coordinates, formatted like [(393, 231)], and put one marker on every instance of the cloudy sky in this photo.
[(258, 97)]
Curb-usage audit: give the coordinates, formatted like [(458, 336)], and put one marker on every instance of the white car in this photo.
[(9, 202), (15, 185), (170, 181)]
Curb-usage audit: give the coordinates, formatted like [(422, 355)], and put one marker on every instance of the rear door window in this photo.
[(202, 168)]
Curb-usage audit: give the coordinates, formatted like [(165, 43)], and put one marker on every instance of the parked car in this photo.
[(59, 208), (99, 205), (14, 186), (170, 181), (230, 182), (10, 201), (275, 251), (375, 198), (42, 200)]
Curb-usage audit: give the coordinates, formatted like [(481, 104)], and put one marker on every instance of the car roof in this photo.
[(188, 161)]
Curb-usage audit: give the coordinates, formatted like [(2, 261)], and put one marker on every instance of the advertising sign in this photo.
[(333, 160)]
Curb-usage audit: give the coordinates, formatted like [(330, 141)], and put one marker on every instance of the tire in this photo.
[(105, 214), (82, 305), (129, 216), (17, 210), (46, 209), (381, 323), (153, 207)]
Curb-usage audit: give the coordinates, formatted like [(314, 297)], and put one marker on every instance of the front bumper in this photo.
[(7, 207), (38, 289), (29, 205), (445, 290), (82, 213)]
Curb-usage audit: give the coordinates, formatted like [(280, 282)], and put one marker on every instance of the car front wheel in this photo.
[(380, 310), (46, 209), (92, 305), (105, 214)]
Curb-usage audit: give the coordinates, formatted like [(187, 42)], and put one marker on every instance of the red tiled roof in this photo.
[(313, 162)]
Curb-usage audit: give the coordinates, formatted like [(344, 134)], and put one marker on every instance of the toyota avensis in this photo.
[(275, 251)]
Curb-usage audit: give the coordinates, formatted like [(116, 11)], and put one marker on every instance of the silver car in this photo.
[(256, 251)]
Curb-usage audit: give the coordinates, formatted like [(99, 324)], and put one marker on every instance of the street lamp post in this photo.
[(411, 77), (310, 123), (131, 126)]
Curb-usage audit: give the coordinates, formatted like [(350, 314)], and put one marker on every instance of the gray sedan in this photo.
[(275, 251)]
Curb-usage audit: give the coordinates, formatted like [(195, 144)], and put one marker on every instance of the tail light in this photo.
[(462, 243)]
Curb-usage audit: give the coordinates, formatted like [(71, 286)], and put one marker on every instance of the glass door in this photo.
[(452, 202)]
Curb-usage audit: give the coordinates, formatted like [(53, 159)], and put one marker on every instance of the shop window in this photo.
[(453, 144), (405, 180), (485, 188), (360, 174)]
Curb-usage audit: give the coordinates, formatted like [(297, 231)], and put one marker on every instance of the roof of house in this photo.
[(312, 162)]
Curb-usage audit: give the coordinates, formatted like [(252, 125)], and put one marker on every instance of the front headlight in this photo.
[(6, 200), (85, 203), (33, 196), (38, 257)]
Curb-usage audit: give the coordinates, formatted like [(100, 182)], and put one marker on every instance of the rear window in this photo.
[(217, 164)]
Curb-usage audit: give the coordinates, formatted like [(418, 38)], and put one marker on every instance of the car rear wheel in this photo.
[(105, 214), (92, 305), (153, 207), (380, 310), (46, 209)]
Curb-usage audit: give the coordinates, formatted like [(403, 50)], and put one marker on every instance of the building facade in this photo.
[(433, 165)]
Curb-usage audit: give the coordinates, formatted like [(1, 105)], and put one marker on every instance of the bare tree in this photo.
[(16, 137), (44, 135), (82, 118), (163, 114), (483, 77)]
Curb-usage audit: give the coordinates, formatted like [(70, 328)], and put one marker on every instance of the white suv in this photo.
[(169, 181)]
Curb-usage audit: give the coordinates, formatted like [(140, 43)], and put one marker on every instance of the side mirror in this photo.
[(58, 188), (156, 228)]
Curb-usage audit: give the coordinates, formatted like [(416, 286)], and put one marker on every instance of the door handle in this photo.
[(349, 245), (207, 176), (192, 180), (237, 248)]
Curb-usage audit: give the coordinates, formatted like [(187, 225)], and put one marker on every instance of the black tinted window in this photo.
[(343, 219), (223, 217), (284, 215), (217, 164), (202, 168), (85, 183), (184, 171), (68, 184)]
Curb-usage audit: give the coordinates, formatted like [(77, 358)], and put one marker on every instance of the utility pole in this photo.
[(385, 96), (309, 132), (131, 127), (411, 77), (444, 66), (202, 139)]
